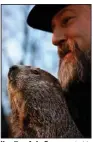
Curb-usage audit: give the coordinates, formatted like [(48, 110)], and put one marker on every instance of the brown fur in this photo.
[(38, 105)]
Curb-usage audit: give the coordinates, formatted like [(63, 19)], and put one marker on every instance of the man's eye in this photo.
[(66, 20)]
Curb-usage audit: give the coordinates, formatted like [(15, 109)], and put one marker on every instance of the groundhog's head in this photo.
[(37, 103)]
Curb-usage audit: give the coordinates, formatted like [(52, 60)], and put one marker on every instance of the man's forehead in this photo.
[(70, 8)]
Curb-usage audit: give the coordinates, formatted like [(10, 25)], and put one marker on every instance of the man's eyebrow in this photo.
[(66, 10)]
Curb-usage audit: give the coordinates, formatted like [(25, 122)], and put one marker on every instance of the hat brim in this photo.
[(40, 16)]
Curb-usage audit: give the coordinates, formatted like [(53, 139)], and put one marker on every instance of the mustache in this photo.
[(68, 47)]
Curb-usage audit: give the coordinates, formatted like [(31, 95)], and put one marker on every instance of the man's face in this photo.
[(72, 35)]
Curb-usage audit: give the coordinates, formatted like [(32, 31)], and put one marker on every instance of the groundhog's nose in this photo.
[(12, 71)]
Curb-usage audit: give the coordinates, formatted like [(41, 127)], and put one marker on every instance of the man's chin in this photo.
[(69, 58), (67, 73)]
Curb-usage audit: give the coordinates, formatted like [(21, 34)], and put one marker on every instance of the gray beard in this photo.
[(79, 71)]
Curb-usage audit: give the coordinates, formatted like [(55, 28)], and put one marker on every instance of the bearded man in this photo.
[(71, 28)]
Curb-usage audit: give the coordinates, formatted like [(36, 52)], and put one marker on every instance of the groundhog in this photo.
[(38, 105)]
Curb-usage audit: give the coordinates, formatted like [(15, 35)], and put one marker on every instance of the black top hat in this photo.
[(40, 16)]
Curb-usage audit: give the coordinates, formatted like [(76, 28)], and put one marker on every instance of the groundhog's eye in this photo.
[(35, 72)]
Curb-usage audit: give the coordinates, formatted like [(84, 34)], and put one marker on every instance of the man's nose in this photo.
[(58, 38)]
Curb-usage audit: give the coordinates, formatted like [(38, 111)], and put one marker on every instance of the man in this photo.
[(71, 28)]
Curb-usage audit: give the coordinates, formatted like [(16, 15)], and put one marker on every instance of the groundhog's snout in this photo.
[(12, 71)]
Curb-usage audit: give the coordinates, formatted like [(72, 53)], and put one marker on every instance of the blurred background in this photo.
[(24, 45)]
